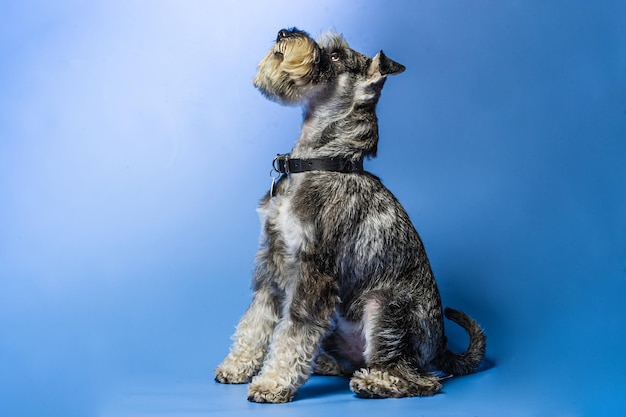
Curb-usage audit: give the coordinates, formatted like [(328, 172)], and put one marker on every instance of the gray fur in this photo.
[(343, 284)]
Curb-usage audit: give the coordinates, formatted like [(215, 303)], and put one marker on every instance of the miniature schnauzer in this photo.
[(342, 283)]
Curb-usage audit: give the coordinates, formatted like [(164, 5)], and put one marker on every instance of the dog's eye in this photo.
[(335, 56)]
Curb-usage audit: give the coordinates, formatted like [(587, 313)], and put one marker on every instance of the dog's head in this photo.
[(297, 69)]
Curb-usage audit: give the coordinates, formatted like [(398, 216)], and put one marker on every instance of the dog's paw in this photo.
[(229, 373), (373, 383), (268, 390), (327, 365)]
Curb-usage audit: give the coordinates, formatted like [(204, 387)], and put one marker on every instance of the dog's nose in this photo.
[(282, 34)]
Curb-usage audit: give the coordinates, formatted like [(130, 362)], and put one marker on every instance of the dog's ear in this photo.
[(387, 66), (379, 68)]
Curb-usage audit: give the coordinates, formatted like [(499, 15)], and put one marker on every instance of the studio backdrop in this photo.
[(128, 232)]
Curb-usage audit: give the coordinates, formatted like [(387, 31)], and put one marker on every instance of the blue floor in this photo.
[(127, 238)]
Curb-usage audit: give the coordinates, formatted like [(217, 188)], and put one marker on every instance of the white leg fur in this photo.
[(288, 365), (370, 315), (250, 342)]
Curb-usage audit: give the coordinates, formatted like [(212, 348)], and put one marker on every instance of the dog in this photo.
[(342, 284)]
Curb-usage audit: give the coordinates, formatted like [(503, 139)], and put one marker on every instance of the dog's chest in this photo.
[(281, 228)]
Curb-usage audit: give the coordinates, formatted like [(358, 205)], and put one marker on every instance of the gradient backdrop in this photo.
[(127, 239)]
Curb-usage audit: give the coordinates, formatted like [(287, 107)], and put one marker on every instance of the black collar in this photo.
[(284, 164)]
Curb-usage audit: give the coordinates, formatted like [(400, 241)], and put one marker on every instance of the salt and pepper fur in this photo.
[(342, 284)]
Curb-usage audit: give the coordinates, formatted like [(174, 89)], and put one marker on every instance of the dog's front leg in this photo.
[(251, 339), (308, 308)]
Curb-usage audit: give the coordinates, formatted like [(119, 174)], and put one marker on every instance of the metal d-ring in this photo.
[(277, 160), (275, 164), (274, 178), (276, 168)]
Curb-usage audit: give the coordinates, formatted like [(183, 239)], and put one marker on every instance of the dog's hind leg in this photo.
[(395, 357)]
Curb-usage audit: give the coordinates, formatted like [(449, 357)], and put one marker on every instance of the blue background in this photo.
[(127, 239)]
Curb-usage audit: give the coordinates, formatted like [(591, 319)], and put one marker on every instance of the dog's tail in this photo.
[(467, 362)]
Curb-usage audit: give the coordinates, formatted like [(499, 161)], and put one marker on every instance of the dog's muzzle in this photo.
[(289, 33)]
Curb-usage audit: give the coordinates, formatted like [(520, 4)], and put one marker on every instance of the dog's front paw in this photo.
[(229, 373), (268, 390)]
